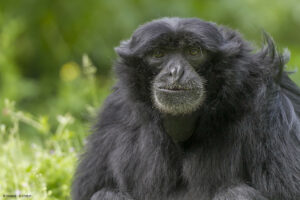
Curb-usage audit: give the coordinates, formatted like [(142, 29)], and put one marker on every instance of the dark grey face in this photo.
[(177, 53), (177, 88)]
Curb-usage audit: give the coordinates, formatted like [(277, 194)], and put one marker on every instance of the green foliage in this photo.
[(41, 170), (43, 71), (40, 152)]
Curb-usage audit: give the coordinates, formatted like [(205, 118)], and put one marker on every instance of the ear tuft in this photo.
[(233, 44), (123, 50), (231, 48)]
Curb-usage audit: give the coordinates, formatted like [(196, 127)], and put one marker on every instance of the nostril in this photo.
[(173, 71)]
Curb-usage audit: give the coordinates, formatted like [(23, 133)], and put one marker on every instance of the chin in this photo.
[(178, 101)]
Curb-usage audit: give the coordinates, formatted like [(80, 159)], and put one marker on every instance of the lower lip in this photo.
[(173, 91)]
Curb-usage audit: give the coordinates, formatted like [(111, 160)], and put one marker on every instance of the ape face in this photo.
[(176, 53), (177, 88)]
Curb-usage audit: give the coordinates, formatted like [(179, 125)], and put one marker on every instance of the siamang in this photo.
[(196, 114)]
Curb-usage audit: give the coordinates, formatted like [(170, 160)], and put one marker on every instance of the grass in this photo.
[(43, 171), (39, 153)]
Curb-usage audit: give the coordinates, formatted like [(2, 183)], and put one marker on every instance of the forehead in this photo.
[(174, 40), (175, 33)]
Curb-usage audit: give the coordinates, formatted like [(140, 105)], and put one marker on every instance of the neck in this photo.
[(180, 127)]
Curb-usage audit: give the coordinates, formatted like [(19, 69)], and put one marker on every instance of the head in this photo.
[(177, 63)]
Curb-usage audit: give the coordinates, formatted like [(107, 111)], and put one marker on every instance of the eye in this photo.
[(194, 51), (158, 54)]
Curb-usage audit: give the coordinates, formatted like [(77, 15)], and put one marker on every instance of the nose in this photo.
[(175, 72)]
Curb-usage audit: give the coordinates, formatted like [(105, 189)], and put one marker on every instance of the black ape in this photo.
[(195, 115)]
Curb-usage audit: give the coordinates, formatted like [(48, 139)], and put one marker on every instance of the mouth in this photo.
[(177, 100), (174, 89)]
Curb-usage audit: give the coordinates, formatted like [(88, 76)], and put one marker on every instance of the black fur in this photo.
[(247, 141)]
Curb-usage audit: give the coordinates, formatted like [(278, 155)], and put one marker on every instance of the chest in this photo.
[(195, 174)]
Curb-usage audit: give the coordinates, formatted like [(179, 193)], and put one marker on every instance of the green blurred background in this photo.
[(55, 70)]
